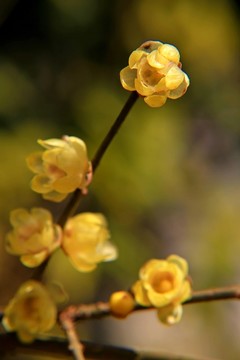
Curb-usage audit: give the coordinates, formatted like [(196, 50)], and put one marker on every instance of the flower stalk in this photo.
[(75, 199), (113, 130), (73, 204), (102, 309), (68, 316)]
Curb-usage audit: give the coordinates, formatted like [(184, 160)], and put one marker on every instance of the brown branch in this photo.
[(74, 343), (9, 343), (68, 317), (77, 195), (225, 293), (102, 309), (87, 311), (11, 347), (73, 204), (71, 207), (113, 130)]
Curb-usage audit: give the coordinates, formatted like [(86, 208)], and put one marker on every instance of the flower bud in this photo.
[(121, 303), (154, 71)]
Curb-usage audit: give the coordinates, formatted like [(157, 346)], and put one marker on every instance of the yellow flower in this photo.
[(30, 312), (60, 169), (85, 241), (154, 71), (164, 285), (34, 236), (121, 303)]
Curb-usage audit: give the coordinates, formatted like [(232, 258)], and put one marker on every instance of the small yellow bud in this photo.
[(121, 303)]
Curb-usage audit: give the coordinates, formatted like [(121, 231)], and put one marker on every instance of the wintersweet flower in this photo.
[(154, 71), (85, 241), (121, 303), (34, 236), (164, 284), (60, 169), (31, 312)]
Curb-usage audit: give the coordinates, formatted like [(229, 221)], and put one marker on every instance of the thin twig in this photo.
[(225, 293), (102, 309), (77, 195), (71, 207), (38, 271), (74, 343), (70, 315), (87, 311), (73, 204), (113, 130)]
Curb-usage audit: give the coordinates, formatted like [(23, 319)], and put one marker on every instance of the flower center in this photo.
[(147, 74), (54, 172), (29, 229), (30, 309), (151, 77), (162, 282)]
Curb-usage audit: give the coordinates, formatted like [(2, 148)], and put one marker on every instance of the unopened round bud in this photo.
[(121, 303)]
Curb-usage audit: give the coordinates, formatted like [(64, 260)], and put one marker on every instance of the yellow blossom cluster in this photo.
[(154, 71), (61, 168), (84, 238), (34, 237), (31, 312)]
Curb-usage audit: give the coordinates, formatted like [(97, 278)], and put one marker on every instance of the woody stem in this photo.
[(76, 197)]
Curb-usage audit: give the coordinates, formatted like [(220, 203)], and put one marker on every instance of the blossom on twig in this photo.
[(164, 284), (30, 312), (34, 235), (85, 241), (60, 169), (154, 71)]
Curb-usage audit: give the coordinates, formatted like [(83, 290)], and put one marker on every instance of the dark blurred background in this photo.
[(170, 182)]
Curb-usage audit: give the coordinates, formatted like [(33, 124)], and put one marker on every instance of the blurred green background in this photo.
[(169, 183)]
